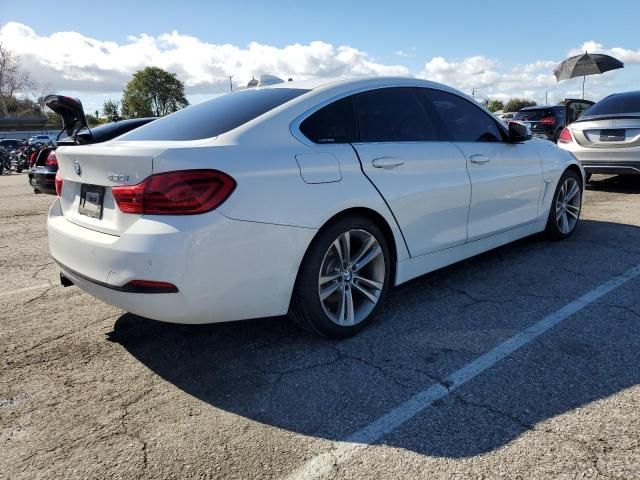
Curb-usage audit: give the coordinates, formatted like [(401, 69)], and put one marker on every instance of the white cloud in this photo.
[(625, 55), (72, 61), (491, 79)]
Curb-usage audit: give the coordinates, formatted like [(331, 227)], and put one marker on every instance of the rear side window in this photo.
[(464, 121), (393, 115), (334, 123), (216, 116), (620, 103)]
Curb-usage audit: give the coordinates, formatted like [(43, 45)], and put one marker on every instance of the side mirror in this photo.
[(518, 132)]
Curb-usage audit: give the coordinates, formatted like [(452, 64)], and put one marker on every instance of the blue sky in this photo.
[(503, 37)]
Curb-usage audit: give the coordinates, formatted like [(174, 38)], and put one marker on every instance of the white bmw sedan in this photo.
[(309, 198)]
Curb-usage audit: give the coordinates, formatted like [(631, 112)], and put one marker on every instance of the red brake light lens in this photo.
[(547, 121), (150, 286), (51, 159), (185, 192), (58, 183), (565, 136)]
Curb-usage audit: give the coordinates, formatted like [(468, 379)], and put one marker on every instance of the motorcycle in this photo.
[(5, 161), (18, 160)]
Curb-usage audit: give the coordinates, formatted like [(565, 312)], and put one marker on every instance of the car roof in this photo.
[(541, 107), (360, 82)]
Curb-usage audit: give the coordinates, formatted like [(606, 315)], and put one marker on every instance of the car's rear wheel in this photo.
[(566, 207), (343, 279)]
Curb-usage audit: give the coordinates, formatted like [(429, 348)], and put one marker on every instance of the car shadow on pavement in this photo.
[(270, 372), (615, 184)]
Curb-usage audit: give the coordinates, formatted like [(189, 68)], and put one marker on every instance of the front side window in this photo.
[(215, 117), (393, 115), (463, 121), (334, 123)]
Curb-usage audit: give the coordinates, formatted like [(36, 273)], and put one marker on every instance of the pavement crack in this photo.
[(63, 335), (41, 295), (513, 418)]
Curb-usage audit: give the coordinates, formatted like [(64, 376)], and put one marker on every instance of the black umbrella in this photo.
[(586, 64)]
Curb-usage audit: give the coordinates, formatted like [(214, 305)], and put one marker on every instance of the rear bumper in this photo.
[(612, 168), (614, 161), (224, 269), (43, 181)]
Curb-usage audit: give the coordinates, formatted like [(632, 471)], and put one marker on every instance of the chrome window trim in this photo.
[(294, 126)]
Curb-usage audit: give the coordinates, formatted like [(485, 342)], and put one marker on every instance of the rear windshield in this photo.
[(216, 116), (616, 104), (535, 114)]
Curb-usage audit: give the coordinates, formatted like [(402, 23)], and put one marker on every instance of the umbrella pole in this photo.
[(583, 77)]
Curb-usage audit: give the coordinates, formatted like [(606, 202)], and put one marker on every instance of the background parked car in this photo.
[(606, 137), (505, 117), (42, 139), (42, 175), (544, 121), (10, 144)]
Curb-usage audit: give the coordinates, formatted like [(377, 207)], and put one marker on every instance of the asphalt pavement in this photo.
[(89, 391)]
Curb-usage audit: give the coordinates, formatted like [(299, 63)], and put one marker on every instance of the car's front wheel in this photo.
[(343, 279), (566, 206)]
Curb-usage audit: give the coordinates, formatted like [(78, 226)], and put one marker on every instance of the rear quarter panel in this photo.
[(270, 187)]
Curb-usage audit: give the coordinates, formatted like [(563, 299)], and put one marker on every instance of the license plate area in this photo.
[(91, 200), (612, 135)]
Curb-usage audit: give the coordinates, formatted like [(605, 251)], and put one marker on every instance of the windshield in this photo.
[(621, 103), (214, 117)]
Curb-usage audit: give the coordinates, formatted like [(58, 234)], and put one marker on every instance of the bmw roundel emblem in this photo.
[(77, 168)]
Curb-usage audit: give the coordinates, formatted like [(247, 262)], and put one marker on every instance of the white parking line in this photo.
[(321, 465), (26, 289)]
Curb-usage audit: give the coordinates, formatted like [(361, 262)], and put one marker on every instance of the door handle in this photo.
[(387, 162), (479, 159)]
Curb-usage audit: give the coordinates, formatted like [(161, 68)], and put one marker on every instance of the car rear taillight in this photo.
[(565, 136), (58, 183), (150, 286), (547, 121), (185, 192), (51, 159)]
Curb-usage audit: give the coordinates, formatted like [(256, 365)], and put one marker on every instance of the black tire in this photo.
[(553, 230), (306, 308)]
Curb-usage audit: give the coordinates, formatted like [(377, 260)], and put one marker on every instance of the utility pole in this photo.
[(473, 93), (546, 97), (230, 83)]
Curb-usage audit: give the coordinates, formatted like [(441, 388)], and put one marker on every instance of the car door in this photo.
[(573, 108), (506, 178), (423, 180)]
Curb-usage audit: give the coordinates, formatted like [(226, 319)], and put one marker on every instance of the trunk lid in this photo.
[(70, 110), (607, 133), (88, 174)]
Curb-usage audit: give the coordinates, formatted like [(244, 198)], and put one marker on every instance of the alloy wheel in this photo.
[(351, 277), (568, 205)]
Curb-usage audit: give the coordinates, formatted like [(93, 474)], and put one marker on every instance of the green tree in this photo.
[(110, 110), (153, 92), (495, 105), (94, 120), (517, 104)]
